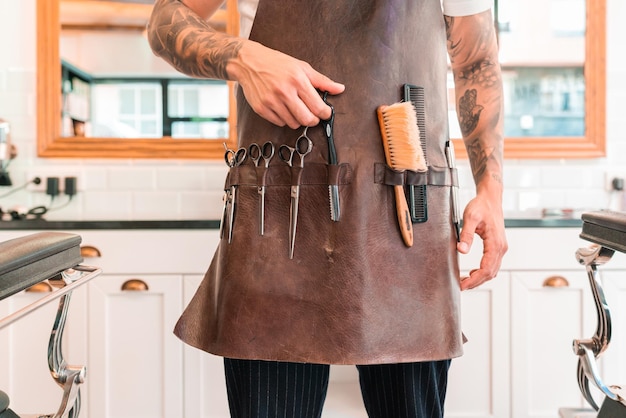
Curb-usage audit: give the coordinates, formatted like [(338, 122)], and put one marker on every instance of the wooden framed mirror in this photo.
[(559, 41), (590, 143), (52, 142)]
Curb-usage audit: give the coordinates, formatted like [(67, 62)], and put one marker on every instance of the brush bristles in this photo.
[(401, 137)]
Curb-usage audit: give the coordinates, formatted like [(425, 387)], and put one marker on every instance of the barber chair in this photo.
[(52, 259), (606, 231)]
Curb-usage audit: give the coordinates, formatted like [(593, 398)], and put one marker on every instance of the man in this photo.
[(281, 307)]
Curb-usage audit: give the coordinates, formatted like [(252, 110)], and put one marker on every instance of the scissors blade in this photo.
[(293, 218), (225, 199), (233, 191), (335, 207), (261, 190)]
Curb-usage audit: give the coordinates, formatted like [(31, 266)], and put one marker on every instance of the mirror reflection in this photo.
[(543, 59), (114, 87), (553, 67)]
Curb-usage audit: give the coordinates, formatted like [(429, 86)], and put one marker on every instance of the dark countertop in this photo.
[(215, 224), (76, 225)]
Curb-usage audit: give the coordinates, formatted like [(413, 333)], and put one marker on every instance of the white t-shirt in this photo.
[(247, 10)]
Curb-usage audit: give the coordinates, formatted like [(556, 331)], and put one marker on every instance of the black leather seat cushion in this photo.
[(4, 401), (607, 228), (31, 259), (5, 412)]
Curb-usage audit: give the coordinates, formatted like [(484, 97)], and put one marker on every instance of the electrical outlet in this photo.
[(609, 176), (44, 175)]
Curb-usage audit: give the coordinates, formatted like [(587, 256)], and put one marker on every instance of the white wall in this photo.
[(148, 189)]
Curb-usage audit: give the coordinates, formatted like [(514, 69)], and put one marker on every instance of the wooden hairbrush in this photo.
[(403, 151)]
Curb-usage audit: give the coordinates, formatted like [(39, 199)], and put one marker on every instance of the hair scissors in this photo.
[(256, 153), (303, 147), (233, 159)]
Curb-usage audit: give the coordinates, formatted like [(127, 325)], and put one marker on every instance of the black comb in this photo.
[(416, 198)]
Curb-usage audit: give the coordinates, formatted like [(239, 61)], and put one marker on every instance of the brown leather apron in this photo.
[(353, 292)]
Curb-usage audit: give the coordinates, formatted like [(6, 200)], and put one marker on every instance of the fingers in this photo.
[(321, 83), (308, 107), (280, 88), (294, 107), (479, 220), (489, 266)]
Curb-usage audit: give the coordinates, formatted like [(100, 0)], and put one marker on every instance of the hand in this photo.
[(484, 218), (280, 88)]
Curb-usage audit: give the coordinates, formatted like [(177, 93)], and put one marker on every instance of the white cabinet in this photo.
[(134, 359), (544, 322), (518, 360), (478, 384), (205, 389), (134, 362)]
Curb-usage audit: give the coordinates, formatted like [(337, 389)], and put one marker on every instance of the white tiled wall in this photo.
[(146, 189)]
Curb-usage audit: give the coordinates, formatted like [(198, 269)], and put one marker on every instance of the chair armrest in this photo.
[(28, 260), (607, 228)]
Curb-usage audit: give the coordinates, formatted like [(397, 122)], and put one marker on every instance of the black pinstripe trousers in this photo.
[(268, 389)]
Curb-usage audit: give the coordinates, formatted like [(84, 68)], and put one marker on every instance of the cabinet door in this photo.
[(205, 389), (135, 362), (545, 318), (478, 383)]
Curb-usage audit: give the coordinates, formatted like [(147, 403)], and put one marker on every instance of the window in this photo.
[(144, 108)]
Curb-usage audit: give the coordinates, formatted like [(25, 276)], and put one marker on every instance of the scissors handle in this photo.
[(285, 152), (229, 157), (328, 126), (254, 151), (304, 145), (267, 152), (235, 158)]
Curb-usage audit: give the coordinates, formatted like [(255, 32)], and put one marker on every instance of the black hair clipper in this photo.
[(416, 197)]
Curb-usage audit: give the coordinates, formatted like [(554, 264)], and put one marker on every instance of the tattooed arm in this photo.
[(473, 51), (279, 88)]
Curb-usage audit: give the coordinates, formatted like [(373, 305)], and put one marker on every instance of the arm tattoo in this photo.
[(189, 43), (483, 73), (452, 45), (472, 47), (469, 112), (484, 155)]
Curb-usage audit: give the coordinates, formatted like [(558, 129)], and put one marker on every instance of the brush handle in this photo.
[(404, 216)]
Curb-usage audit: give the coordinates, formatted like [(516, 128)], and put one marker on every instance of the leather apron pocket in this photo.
[(434, 176), (280, 175), (265, 196)]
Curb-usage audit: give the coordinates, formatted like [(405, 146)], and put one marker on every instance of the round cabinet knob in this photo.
[(135, 285), (555, 281), (89, 251)]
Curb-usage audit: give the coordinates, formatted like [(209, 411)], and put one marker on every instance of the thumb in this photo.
[(467, 237)]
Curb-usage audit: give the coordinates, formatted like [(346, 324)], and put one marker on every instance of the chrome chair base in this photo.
[(607, 232), (46, 256)]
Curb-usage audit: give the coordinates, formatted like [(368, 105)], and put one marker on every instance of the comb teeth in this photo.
[(418, 205), (401, 137), (415, 95)]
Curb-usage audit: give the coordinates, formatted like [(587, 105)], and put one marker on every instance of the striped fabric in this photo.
[(267, 389)]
